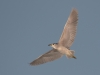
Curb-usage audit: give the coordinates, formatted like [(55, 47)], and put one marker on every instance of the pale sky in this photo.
[(28, 26)]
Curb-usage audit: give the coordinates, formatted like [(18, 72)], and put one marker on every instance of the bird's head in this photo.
[(54, 45)]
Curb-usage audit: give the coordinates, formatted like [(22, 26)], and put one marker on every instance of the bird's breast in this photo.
[(62, 49)]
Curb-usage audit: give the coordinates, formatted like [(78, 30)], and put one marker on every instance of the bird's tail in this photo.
[(71, 55), (73, 52)]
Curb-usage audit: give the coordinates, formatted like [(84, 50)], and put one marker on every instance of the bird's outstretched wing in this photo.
[(69, 30), (47, 57)]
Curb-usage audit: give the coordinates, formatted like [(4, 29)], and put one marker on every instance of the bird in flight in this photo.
[(63, 46)]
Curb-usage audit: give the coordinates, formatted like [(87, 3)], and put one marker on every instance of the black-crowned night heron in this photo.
[(63, 46)]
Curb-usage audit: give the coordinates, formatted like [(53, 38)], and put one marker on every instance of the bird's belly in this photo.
[(63, 50)]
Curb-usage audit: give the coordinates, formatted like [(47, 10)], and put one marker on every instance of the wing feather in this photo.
[(47, 57), (69, 30)]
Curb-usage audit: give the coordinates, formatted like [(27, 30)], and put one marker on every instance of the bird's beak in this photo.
[(49, 45)]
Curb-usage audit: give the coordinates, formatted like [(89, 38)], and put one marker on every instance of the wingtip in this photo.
[(74, 57), (74, 9), (32, 64)]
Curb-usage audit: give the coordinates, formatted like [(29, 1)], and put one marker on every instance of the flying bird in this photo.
[(63, 46)]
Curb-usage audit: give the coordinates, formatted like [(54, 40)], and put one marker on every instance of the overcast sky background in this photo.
[(28, 26)]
